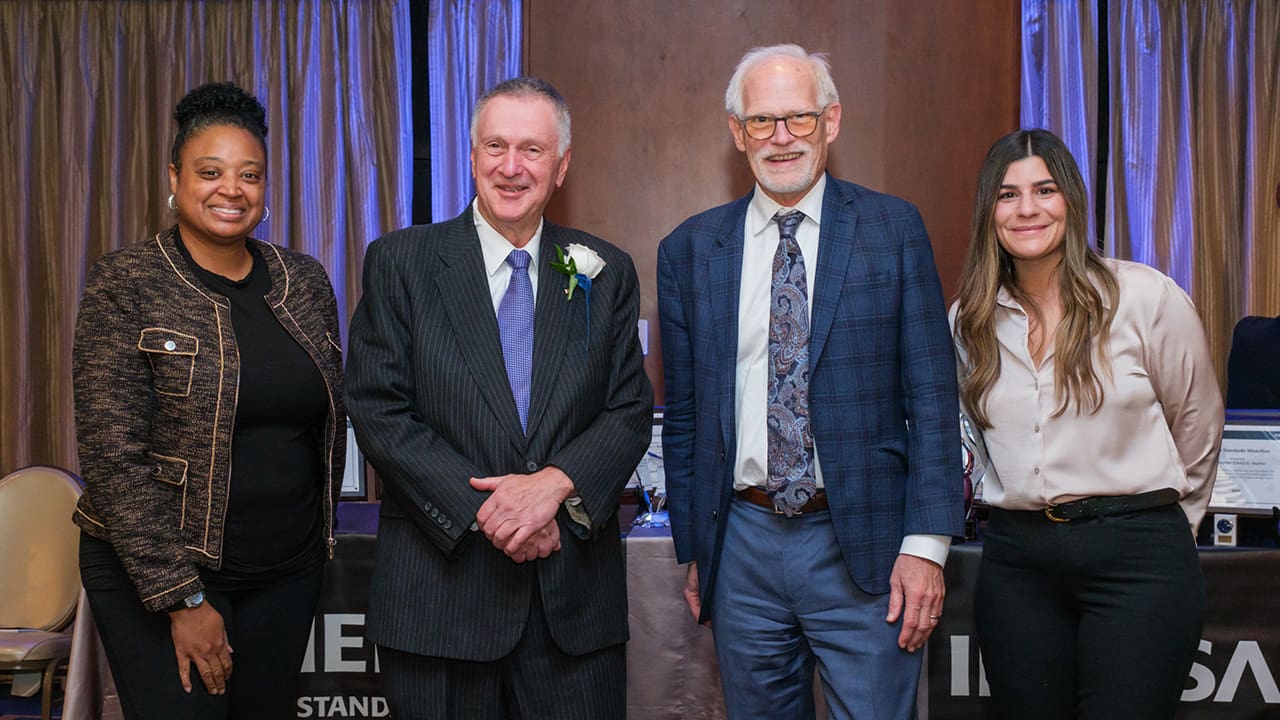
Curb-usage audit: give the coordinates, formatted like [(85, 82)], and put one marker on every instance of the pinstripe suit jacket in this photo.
[(432, 408), (882, 383)]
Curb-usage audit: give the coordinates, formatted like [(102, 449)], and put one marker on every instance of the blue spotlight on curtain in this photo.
[(474, 44), (1060, 79)]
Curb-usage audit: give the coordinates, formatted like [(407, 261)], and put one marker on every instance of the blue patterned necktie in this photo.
[(791, 480), (515, 325)]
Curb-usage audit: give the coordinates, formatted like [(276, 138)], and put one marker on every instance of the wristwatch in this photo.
[(194, 601)]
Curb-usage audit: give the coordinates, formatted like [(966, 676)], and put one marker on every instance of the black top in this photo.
[(274, 507), (1253, 368)]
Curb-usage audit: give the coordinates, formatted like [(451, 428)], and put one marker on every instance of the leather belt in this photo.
[(758, 496), (1092, 507)]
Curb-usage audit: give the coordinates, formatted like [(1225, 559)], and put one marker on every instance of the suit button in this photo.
[(531, 466), (721, 456), (447, 524), (715, 514), (435, 512)]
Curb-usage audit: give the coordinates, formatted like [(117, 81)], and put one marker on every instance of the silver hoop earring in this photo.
[(266, 214), (173, 207)]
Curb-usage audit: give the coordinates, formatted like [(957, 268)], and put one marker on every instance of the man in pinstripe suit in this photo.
[(504, 416), (810, 435)]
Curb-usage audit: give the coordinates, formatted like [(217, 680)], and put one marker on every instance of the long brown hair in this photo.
[(1087, 288)]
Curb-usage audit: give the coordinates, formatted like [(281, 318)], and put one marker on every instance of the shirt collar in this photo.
[(1005, 298), (762, 208), (496, 248)]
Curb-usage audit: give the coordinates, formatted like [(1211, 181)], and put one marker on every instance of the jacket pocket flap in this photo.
[(170, 470), (894, 447), (163, 340)]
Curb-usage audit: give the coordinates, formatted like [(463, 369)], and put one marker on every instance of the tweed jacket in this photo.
[(156, 377)]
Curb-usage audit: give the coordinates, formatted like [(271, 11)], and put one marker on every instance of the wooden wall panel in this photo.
[(926, 86)]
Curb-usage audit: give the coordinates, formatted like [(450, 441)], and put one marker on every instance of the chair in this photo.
[(39, 572)]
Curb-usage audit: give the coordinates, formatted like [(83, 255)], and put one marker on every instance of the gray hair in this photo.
[(818, 64), (526, 87)]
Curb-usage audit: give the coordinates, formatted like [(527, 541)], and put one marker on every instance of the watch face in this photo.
[(195, 600)]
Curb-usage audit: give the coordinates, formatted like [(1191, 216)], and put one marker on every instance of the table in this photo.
[(1233, 676), (671, 660)]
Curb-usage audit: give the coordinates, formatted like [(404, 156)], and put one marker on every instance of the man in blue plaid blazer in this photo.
[(847, 571)]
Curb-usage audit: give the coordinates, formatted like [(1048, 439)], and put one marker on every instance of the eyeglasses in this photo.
[(762, 127)]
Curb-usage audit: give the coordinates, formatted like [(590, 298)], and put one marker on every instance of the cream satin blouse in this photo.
[(1160, 423)]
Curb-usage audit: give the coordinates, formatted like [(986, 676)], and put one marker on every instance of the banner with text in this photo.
[(1233, 677)]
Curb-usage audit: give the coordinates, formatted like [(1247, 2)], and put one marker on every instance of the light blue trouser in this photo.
[(783, 599)]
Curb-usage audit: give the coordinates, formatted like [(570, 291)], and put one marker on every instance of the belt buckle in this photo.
[(1048, 512), (778, 511)]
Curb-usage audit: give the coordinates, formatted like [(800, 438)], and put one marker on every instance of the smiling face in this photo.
[(785, 166), (220, 188), (515, 163), (1030, 214)]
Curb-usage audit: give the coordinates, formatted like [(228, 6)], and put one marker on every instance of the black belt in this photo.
[(1092, 507), (758, 496)]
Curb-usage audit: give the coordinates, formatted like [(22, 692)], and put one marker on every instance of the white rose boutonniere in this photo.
[(582, 265)]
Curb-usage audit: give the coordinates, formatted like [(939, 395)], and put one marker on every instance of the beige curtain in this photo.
[(1195, 152), (88, 88)]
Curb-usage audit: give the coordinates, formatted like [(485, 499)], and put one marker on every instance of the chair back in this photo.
[(39, 548)]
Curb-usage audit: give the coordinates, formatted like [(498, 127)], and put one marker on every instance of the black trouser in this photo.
[(1095, 618), (267, 627), (536, 681)]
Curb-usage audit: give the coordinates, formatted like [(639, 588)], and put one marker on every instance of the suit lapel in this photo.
[(552, 320), (724, 270), (465, 289), (835, 245)]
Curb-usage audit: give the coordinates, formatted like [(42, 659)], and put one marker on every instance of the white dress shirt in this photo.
[(496, 249), (1159, 426), (751, 387)]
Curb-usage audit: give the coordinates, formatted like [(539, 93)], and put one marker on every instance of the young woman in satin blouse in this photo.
[(1099, 407)]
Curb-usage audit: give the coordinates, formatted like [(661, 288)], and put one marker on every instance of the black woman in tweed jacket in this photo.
[(208, 389)]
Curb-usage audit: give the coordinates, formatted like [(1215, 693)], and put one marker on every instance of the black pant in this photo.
[(267, 626), (1096, 618), (536, 681)]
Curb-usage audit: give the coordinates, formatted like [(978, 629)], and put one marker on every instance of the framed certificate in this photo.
[(1248, 480), (648, 473), (354, 485)]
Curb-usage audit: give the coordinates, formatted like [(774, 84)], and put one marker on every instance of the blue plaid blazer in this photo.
[(882, 383)]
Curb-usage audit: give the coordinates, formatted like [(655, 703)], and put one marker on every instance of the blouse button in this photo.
[(170, 345), (1036, 471), (1037, 428)]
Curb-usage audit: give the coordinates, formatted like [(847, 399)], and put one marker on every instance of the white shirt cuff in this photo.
[(929, 547)]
